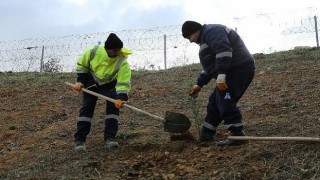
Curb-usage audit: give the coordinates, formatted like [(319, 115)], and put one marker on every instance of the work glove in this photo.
[(221, 82), (119, 103), (78, 86), (194, 91)]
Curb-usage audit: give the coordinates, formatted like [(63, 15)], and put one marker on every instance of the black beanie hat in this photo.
[(190, 27), (113, 42)]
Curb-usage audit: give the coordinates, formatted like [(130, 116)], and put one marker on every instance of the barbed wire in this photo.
[(154, 48)]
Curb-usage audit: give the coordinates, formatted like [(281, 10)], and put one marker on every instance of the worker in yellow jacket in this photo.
[(103, 69)]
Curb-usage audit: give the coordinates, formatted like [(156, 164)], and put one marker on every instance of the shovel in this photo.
[(173, 122)]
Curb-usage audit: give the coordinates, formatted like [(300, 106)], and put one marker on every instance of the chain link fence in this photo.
[(154, 49)]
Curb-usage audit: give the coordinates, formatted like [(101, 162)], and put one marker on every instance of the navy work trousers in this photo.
[(87, 111), (222, 105)]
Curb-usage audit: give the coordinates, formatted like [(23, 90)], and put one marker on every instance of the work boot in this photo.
[(229, 142), (111, 143), (80, 147), (206, 135)]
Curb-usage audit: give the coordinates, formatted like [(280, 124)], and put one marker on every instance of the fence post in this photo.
[(165, 51), (41, 60), (316, 27)]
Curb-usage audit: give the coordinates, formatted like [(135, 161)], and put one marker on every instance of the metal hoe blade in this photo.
[(176, 122)]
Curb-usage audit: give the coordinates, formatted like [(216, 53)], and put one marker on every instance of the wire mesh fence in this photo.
[(154, 48), (147, 44)]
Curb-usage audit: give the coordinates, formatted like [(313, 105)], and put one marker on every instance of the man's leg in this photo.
[(111, 120), (212, 120), (84, 120), (230, 113)]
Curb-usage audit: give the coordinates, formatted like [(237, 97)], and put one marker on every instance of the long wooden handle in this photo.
[(112, 100), (274, 138)]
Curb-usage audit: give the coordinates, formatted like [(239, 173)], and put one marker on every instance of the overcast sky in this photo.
[(22, 19)]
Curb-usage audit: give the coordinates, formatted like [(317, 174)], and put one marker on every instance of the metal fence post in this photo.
[(165, 51), (41, 60), (316, 28)]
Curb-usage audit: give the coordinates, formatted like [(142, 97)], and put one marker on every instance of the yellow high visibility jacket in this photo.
[(105, 69)]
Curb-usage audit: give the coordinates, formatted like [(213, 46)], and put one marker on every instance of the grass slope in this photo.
[(38, 117)]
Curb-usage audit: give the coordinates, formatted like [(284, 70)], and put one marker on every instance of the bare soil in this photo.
[(38, 118)]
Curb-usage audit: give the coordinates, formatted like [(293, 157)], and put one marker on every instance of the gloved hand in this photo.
[(194, 91), (78, 86), (221, 82), (119, 103)]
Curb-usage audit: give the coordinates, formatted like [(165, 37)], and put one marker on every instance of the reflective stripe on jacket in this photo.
[(221, 51), (105, 69)]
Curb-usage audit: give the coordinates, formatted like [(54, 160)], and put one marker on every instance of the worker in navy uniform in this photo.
[(224, 57)]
